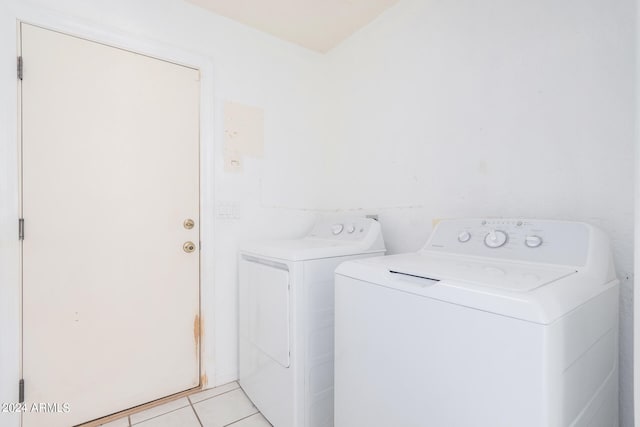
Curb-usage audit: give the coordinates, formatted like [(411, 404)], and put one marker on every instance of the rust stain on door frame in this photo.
[(196, 333), (203, 381)]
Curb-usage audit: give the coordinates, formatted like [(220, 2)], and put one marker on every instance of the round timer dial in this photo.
[(495, 238), (464, 237), (533, 241)]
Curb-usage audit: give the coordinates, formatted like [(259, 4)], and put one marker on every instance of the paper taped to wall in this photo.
[(243, 134)]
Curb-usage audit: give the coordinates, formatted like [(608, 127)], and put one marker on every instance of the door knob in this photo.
[(188, 223), (189, 247)]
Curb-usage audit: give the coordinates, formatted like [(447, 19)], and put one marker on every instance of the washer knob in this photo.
[(495, 238), (464, 237), (533, 241), (337, 229), (351, 228)]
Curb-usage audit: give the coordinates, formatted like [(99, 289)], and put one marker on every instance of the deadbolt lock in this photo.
[(189, 223), (189, 247)]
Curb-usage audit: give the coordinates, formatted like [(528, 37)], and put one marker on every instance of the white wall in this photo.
[(437, 109), (492, 108), (274, 194)]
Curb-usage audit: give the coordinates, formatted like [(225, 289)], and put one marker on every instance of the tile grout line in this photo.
[(217, 395), (191, 404), (195, 412), (160, 415), (243, 418)]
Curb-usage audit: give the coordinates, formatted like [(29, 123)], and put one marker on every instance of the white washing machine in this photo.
[(494, 323), (286, 318)]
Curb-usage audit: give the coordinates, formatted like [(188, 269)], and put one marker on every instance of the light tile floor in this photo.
[(222, 406)]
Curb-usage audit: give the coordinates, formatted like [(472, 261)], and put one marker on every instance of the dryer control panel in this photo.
[(343, 228), (544, 241)]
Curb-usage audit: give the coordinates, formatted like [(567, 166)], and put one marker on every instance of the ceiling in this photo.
[(315, 24)]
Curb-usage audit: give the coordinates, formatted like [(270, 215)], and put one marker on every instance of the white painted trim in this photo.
[(10, 304), (10, 309), (636, 240), (636, 278)]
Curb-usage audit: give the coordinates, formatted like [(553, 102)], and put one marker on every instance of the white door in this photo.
[(109, 175)]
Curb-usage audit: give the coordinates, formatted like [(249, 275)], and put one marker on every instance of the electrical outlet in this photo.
[(227, 210)]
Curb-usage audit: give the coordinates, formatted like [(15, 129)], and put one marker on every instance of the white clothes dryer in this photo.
[(494, 323), (287, 316)]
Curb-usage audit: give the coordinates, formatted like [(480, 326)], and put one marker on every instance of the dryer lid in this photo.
[(306, 249), (331, 237)]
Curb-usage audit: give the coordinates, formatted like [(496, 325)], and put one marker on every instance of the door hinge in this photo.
[(21, 229), (20, 67), (21, 391)]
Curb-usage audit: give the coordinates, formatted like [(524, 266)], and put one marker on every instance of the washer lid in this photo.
[(505, 275), (539, 293)]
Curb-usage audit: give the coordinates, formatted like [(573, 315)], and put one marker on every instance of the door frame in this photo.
[(10, 277)]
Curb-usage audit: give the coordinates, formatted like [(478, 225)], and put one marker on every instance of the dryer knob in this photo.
[(533, 241), (337, 229), (351, 228)]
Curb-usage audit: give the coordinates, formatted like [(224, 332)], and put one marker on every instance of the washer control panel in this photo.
[(549, 241), (343, 229)]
